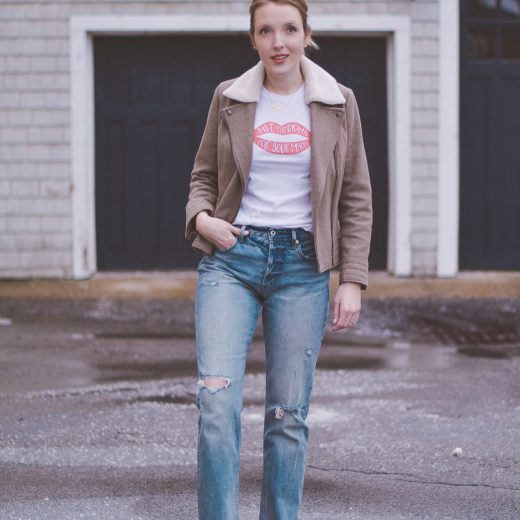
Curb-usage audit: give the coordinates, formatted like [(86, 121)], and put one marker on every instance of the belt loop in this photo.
[(241, 236), (294, 237)]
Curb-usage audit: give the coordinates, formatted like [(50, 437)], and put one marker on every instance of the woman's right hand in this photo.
[(220, 233)]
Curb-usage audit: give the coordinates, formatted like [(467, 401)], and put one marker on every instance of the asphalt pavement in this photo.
[(415, 411)]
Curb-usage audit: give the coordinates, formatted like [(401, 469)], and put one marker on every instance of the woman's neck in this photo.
[(284, 85)]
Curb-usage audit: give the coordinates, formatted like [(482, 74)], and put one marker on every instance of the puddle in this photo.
[(491, 351)]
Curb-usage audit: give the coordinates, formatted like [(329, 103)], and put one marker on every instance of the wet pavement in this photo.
[(98, 419)]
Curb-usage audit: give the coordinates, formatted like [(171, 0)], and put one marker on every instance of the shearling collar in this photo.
[(319, 85)]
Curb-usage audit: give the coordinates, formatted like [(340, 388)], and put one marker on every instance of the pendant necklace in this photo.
[(276, 105)]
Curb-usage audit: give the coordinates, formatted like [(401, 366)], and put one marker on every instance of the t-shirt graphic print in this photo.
[(278, 192), (282, 147)]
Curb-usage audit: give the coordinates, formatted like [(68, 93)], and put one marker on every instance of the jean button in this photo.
[(272, 232)]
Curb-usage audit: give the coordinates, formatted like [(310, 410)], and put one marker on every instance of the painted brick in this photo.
[(9, 99), (15, 116), (424, 205), (425, 65), (35, 152), (44, 258), (25, 188), (4, 188), (425, 29), (426, 47), (9, 259), (9, 207), (33, 46), (56, 223), (18, 224), (35, 82), (424, 262), (424, 11), (33, 223), (427, 100), (7, 243), (424, 240), (62, 272), (14, 135), (424, 169), (425, 135), (46, 207), (48, 117), (34, 28), (424, 151), (18, 63), (425, 83), (425, 223), (35, 170), (56, 189), (422, 186), (43, 241), (425, 118)]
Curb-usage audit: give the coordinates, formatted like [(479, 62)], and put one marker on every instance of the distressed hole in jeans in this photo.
[(280, 411), (214, 383), (210, 283)]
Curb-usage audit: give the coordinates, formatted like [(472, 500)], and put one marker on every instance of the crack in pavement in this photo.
[(413, 478)]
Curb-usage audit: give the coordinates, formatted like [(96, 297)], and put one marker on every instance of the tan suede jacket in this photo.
[(340, 190)]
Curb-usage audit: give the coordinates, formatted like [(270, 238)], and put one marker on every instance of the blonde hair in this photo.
[(301, 5)]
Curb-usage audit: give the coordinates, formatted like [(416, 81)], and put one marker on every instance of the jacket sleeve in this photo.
[(204, 176), (355, 204)]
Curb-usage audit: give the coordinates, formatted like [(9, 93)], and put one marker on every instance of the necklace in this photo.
[(277, 105)]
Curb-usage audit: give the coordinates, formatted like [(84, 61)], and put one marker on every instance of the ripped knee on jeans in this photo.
[(214, 383)]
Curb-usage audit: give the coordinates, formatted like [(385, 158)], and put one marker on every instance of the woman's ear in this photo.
[(252, 41)]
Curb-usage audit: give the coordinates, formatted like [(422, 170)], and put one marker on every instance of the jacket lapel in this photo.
[(325, 123), (240, 119)]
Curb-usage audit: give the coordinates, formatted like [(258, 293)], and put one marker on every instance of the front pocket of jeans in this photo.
[(229, 248), (306, 250)]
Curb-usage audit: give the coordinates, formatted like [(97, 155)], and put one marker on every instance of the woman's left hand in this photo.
[(347, 306)]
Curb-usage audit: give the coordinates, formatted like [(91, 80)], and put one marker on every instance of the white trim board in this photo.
[(82, 30), (449, 146)]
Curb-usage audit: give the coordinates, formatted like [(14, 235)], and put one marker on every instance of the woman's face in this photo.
[(279, 38)]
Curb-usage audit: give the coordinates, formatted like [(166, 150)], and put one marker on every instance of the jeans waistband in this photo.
[(291, 234)]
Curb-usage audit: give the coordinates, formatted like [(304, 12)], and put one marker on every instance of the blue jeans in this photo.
[(273, 270)]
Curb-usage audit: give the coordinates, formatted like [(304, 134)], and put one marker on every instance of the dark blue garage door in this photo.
[(490, 135), (151, 100)]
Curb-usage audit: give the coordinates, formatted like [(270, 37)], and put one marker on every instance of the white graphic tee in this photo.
[(278, 193)]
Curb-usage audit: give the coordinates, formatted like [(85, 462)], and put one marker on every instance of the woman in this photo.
[(280, 194)]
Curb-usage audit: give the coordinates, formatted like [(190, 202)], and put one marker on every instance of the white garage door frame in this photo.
[(396, 29)]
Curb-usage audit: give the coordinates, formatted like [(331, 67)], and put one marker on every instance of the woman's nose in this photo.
[(278, 41)]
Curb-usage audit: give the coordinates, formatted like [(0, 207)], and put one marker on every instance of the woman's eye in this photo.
[(264, 31), (291, 29)]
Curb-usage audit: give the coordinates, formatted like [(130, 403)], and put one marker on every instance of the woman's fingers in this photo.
[(344, 318)]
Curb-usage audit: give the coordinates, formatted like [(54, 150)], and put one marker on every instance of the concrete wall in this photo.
[(35, 152)]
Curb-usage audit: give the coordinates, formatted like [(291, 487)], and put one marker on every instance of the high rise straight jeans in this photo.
[(274, 271)]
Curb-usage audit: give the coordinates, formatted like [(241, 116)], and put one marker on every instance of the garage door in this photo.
[(490, 135), (151, 100)]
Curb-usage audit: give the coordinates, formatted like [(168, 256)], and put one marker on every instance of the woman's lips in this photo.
[(279, 58)]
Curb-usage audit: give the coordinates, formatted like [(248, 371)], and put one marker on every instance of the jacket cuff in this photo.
[(191, 213), (354, 270)]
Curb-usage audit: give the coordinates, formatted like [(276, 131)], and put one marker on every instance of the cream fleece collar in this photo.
[(319, 85)]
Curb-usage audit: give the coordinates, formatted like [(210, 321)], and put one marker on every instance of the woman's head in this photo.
[(280, 32)]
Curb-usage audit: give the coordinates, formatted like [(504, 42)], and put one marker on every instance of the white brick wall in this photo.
[(35, 154)]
